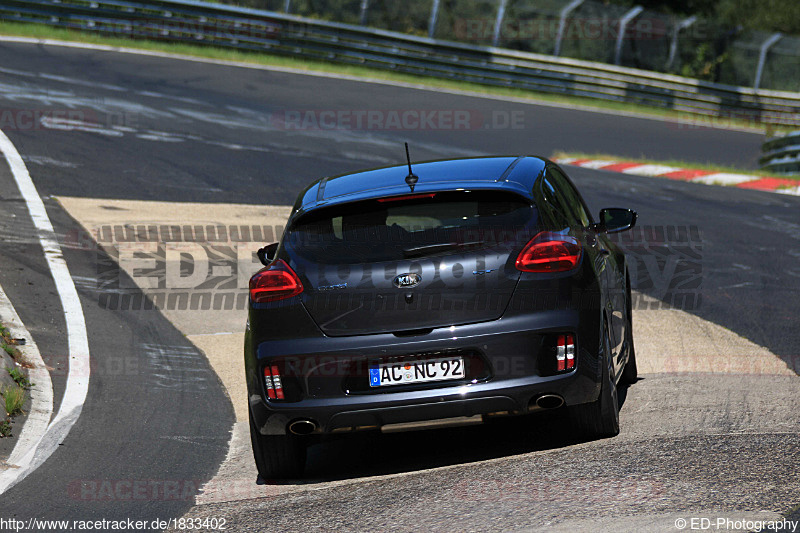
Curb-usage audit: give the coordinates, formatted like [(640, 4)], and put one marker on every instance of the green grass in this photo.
[(41, 31), (19, 378), (8, 343), (14, 394), (14, 399), (674, 163)]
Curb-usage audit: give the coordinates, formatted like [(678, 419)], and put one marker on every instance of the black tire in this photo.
[(630, 374), (600, 418), (277, 456)]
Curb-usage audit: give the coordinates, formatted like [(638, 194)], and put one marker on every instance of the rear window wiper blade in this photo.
[(439, 247)]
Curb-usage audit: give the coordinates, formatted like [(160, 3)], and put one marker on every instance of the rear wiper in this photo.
[(440, 247)]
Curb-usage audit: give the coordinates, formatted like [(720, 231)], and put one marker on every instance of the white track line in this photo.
[(77, 385), (41, 392)]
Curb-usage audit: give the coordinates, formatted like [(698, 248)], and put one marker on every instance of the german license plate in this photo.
[(417, 371)]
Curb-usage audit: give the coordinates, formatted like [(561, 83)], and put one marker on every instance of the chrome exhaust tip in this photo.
[(302, 427), (549, 401)]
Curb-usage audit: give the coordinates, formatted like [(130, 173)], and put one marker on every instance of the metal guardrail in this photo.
[(781, 154), (196, 22)]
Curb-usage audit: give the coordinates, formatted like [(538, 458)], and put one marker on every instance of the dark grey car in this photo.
[(474, 288)]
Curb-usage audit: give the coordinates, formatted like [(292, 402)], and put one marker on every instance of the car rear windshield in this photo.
[(416, 225)]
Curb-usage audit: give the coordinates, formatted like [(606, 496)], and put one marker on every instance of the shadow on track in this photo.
[(374, 453)]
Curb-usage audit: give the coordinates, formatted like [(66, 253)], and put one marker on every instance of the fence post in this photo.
[(498, 22), (762, 57), (623, 23), (286, 6), (673, 46), (562, 23), (362, 16), (432, 20)]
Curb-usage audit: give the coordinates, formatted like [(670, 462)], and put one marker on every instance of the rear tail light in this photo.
[(549, 252), (565, 352), (275, 282), (272, 382)]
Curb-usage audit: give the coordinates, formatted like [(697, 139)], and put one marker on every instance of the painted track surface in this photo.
[(180, 131), (152, 398)]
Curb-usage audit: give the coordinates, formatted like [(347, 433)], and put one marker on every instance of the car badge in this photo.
[(405, 281)]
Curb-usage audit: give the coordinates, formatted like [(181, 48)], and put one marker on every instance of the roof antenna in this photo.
[(411, 179)]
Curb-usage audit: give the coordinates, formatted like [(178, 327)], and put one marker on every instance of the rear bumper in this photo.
[(509, 346), (370, 412)]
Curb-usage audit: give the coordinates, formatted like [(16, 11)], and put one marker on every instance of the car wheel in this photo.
[(630, 373), (600, 418), (277, 456)]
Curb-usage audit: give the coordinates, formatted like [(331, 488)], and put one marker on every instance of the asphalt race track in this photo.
[(704, 442)]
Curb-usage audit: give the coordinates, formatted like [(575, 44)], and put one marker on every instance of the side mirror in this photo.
[(267, 254), (615, 219)]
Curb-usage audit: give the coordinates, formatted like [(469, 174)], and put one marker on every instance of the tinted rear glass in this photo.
[(373, 230)]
